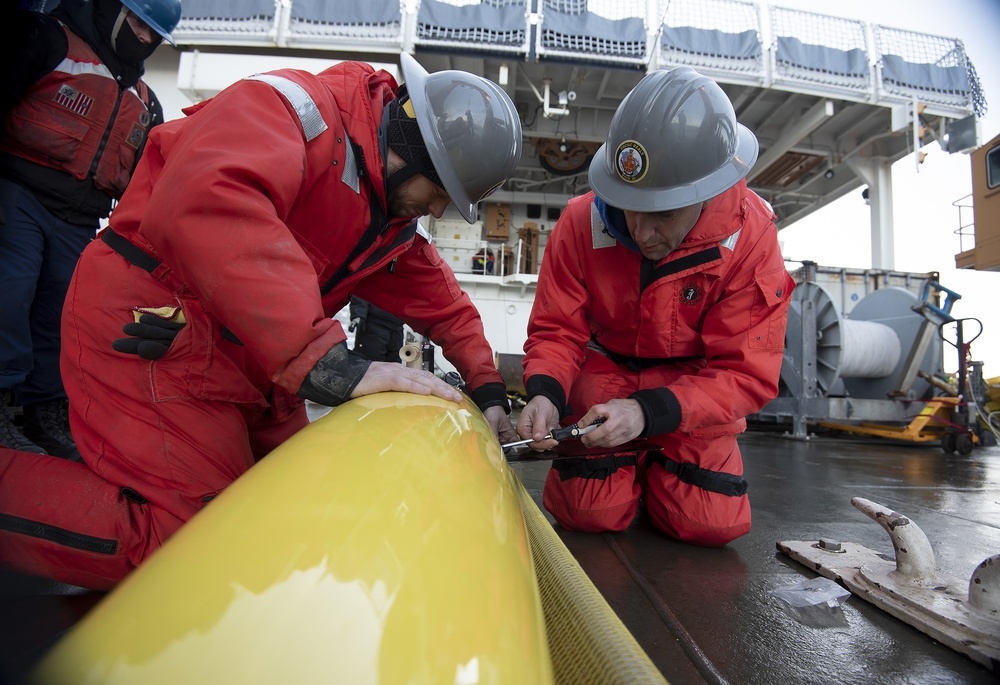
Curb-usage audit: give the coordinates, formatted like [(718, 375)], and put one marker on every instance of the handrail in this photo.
[(964, 230), (387, 32), (475, 247)]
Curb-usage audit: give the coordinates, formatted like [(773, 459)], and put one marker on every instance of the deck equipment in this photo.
[(964, 615)]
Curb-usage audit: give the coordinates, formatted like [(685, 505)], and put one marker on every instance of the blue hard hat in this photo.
[(160, 15)]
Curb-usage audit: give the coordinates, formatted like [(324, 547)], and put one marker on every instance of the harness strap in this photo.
[(377, 225), (136, 256), (599, 468), (635, 364), (713, 481)]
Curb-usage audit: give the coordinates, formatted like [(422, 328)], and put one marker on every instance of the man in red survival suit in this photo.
[(661, 308), (247, 226)]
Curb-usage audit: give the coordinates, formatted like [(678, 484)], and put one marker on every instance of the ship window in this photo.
[(993, 168)]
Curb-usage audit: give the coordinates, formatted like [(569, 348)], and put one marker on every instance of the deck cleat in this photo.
[(964, 615)]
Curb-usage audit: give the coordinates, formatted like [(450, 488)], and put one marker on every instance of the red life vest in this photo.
[(78, 120)]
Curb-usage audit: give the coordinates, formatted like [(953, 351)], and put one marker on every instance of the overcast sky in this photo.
[(924, 218)]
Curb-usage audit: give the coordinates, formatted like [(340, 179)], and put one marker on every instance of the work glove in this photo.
[(151, 339)]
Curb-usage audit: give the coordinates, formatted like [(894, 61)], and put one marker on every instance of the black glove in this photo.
[(152, 337)]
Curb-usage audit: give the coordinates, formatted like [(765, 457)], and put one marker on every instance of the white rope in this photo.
[(869, 349)]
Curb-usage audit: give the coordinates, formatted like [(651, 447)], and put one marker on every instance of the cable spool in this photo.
[(411, 356), (898, 308), (845, 348)]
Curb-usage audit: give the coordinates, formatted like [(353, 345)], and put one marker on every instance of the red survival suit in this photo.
[(253, 206), (703, 329)]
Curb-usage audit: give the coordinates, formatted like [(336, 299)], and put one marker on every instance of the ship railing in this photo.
[(966, 222), (731, 40), (511, 261)]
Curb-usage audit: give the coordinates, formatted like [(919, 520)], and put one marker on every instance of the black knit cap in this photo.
[(404, 138)]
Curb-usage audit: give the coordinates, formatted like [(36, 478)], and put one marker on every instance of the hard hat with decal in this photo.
[(160, 15), (470, 129), (673, 142)]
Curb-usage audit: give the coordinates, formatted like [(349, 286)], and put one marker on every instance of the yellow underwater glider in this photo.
[(387, 542), (383, 543)]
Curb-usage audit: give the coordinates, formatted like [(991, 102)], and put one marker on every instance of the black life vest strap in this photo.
[(133, 254), (599, 468), (377, 224), (136, 256), (635, 364), (713, 481)]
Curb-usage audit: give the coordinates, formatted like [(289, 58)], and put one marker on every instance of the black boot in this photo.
[(10, 436), (47, 425)]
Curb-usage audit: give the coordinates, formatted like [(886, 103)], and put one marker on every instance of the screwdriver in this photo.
[(573, 431)]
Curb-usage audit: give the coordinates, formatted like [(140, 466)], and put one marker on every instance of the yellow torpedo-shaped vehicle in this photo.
[(384, 543)]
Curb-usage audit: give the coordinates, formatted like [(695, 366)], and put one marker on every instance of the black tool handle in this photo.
[(574, 431)]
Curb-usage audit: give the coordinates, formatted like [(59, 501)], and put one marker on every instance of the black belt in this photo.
[(138, 257), (132, 254), (713, 481), (599, 468), (639, 363)]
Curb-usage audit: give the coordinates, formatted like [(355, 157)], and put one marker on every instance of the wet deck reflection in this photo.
[(707, 615)]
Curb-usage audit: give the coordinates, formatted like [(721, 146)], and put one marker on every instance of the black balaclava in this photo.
[(126, 44), (95, 21), (404, 138)]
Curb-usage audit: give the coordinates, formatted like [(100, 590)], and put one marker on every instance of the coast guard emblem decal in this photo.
[(631, 162)]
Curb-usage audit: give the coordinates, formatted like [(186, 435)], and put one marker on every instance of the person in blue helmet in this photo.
[(76, 115)]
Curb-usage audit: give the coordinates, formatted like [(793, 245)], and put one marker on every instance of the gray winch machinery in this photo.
[(860, 345)]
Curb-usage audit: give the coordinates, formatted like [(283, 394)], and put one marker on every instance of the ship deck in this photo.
[(708, 615)]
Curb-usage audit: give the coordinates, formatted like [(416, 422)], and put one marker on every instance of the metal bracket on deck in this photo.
[(962, 615)]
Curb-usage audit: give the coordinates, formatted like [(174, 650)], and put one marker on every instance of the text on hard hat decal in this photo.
[(631, 161)]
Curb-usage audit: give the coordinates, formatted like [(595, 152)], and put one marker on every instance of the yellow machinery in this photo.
[(945, 418), (927, 426)]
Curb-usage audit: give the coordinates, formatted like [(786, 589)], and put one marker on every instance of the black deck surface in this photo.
[(707, 615)]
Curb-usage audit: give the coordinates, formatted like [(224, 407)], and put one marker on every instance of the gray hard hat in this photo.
[(673, 142), (470, 128)]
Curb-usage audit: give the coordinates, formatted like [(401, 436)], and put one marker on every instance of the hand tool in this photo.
[(573, 431)]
